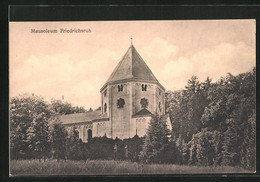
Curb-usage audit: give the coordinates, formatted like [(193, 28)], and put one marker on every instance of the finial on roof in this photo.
[(131, 40)]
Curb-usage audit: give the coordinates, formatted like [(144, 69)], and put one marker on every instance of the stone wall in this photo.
[(101, 129), (138, 94), (121, 122), (85, 130), (82, 130), (120, 117), (139, 126), (160, 103), (105, 101)]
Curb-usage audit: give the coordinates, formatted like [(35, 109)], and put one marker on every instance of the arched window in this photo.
[(144, 87), (120, 88), (89, 134), (105, 107), (160, 107)]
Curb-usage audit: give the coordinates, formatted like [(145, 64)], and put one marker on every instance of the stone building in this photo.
[(129, 98)]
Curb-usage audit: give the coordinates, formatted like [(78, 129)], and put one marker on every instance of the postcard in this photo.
[(132, 97)]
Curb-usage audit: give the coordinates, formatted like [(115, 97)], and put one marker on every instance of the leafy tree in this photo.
[(184, 150), (218, 115), (38, 137), (35, 131), (98, 109), (78, 109), (90, 110), (17, 143), (74, 145), (173, 107), (171, 153), (204, 147), (156, 139), (232, 104), (59, 137), (187, 107), (26, 113), (61, 107), (101, 148), (248, 152), (134, 146)]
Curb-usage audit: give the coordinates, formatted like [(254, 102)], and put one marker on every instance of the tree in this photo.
[(74, 145), (184, 149), (230, 111), (26, 114), (78, 109), (173, 107), (38, 137), (90, 110), (186, 107), (216, 118), (248, 153), (204, 147), (17, 143), (171, 153), (134, 147), (35, 131), (101, 148), (61, 107), (156, 139), (98, 109), (58, 139)]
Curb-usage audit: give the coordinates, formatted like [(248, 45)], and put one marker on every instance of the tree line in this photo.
[(215, 123), (34, 125)]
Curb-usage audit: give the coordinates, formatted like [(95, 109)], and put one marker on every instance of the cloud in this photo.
[(80, 80), (55, 75), (222, 59), (158, 51)]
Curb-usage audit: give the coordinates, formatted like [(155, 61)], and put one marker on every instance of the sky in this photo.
[(77, 65)]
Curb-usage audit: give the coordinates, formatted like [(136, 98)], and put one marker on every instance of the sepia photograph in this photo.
[(132, 97)]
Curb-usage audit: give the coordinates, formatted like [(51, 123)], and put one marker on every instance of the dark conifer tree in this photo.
[(59, 137), (156, 139)]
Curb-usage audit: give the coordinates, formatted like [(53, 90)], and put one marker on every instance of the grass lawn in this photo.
[(109, 167)]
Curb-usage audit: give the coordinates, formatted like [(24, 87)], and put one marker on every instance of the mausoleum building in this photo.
[(129, 98)]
